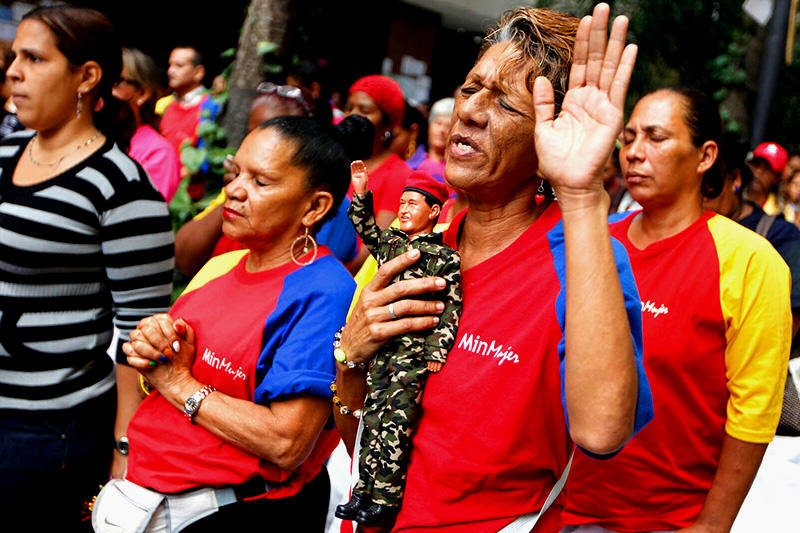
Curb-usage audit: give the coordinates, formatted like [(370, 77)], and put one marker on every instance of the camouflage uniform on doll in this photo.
[(397, 373)]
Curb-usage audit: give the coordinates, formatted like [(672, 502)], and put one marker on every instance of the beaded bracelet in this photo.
[(338, 403), (145, 386), (340, 355)]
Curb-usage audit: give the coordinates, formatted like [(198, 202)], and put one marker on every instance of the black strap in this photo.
[(251, 488)]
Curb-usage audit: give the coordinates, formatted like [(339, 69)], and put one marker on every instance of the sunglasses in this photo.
[(284, 91)]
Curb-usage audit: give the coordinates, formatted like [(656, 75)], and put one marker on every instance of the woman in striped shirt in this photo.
[(85, 245)]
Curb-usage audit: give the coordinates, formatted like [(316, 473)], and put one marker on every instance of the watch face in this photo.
[(122, 446), (190, 405)]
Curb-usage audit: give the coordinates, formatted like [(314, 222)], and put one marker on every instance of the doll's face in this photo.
[(415, 215)]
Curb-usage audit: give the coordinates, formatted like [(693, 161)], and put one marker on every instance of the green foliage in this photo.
[(710, 45), (265, 47), (267, 50), (785, 113), (214, 150), (181, 207), (192, 158)]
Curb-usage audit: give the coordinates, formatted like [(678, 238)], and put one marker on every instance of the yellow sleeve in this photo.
[(370, 268), (754, 293), (216, 202), (214, 268), (162, 103)]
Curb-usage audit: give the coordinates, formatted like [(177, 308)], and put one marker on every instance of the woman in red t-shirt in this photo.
[(380, 99), (716, 328)]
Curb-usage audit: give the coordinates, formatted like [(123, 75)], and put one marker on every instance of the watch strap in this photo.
[(192, 403)]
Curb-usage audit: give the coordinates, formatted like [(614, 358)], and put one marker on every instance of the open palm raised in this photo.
[(573, 148)]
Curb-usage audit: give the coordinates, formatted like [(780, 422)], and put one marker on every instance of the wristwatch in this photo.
[(340, 355), (122, 445), (192, 403)]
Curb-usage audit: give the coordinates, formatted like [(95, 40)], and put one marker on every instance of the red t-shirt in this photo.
[(492, 439), (179, 123), (260, 336), (714, 349)]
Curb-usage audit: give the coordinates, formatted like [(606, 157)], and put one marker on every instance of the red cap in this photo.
[(425, 184), (387, 94), (774, 154)]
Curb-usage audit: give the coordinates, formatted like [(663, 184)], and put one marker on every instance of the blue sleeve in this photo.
[(297, 350), (339, 235), (633, 308)]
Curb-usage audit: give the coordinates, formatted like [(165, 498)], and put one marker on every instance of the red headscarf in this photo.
[(386, 93)]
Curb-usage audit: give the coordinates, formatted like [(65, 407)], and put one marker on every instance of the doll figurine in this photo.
[(398, 371)]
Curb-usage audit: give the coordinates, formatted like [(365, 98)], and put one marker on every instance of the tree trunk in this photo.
[(266, 21)]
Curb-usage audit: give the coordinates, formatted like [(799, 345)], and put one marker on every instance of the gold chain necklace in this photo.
[(85, 143)]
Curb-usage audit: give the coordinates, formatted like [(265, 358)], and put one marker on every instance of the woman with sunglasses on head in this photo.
[(243, 362), (139, 86), (202, 238), (86, 245), (716, 325)]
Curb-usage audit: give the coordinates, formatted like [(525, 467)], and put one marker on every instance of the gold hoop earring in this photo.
[(313, 245)]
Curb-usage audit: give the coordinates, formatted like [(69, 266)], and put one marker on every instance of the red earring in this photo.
[(539, 196)]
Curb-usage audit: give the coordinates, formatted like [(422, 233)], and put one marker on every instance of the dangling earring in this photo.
[(80, 104), (539, 196), (387, 137), (308, 242), (411, 150)]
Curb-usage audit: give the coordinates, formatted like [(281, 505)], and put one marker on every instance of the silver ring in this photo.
[(391, 310)]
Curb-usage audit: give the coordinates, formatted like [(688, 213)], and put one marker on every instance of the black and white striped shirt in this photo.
[(91, 245)]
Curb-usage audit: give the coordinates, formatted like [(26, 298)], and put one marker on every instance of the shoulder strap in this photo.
[(764, 224), (525, 523)]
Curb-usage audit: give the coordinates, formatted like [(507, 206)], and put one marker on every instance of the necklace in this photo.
[(58, 161)]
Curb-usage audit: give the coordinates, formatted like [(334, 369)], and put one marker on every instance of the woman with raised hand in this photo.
[(717, 326), (139, 86), (242, 365), (86, 245), (550, 328)]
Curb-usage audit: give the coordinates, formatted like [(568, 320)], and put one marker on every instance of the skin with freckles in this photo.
[(266, 192), (491, 143), (663, 168), (658, 158)]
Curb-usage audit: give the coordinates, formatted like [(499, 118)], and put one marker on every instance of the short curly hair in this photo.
[(541, 44)]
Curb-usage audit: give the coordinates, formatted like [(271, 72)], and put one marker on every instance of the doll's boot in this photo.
[(378, 515), (349, 510)]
